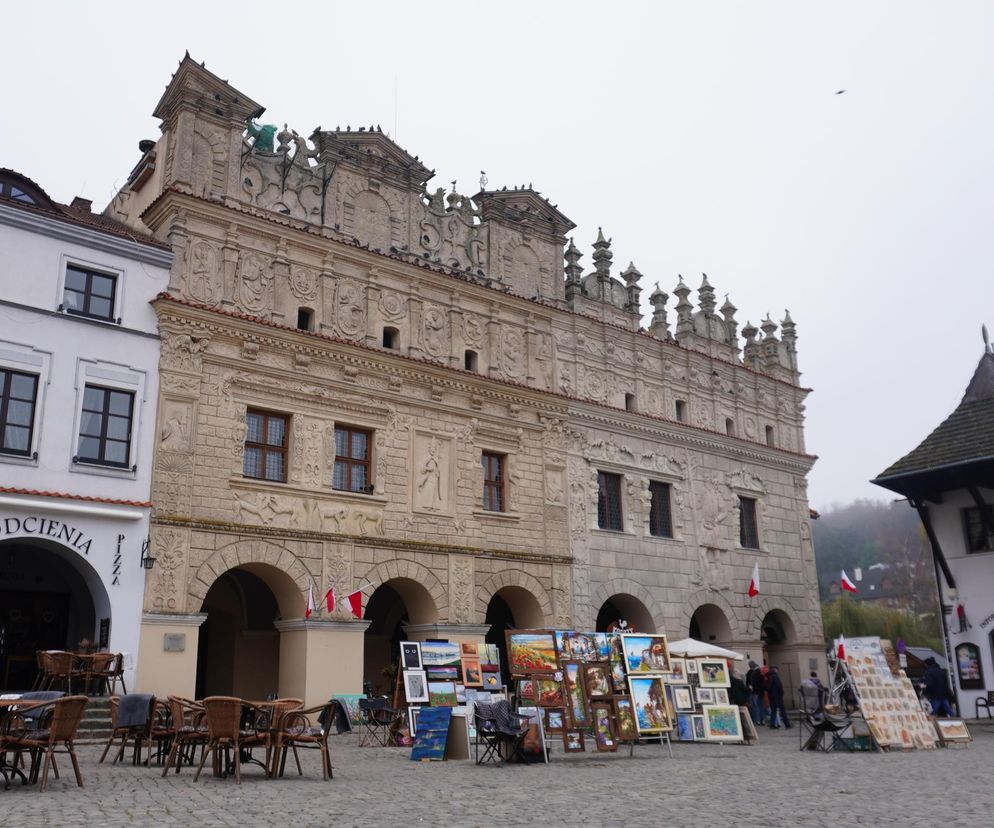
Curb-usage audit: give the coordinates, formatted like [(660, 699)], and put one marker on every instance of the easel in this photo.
[(663, 738)]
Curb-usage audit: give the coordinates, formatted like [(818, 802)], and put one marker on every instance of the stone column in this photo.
[(319, 659), (167, 654)]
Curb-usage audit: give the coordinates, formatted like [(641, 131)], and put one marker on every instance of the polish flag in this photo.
[(754, 583), (847, 585), (355, 603), (329, 598), (310, 600), (841, 652)]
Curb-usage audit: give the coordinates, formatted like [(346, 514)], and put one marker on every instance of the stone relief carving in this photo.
[(435, 331), (608, 449), (555, 492), (369, 219), (174, 435), (742, 479), (474, 330), (460, 589), (170, 554), (303, 283), (351, 308), (393, 306), (351, 520), (713, 509), (267, 509), (183, 352), (512, 352), (256, 284), (172, 481), (703, 415), (594, 386), (272, 181), (562, 597), (204, 277), (430, 490)]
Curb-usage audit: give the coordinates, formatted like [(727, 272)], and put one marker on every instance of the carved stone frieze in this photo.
[(460, 589), (183, 351), (170, 550), (262, 508)]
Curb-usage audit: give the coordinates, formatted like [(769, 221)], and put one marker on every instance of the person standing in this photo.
[(757, 687), (777, 709), (937, 687)]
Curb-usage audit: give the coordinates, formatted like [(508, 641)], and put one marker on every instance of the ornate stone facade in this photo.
[(324, 280)]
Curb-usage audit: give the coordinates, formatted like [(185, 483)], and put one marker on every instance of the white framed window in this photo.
[(24, 374), (91, 290), (109, 405)]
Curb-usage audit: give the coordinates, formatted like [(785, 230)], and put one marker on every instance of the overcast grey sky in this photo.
[(703, 137)]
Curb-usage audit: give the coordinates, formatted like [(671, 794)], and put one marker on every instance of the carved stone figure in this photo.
[(204, 280), (256, 282), (175, 431), (265, 508), (714, 508), (435, 335), (430, 478), (182, 352), (170, 554), (512, 352), (351, 304)]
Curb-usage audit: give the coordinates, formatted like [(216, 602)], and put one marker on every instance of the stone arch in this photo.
[(623, 586), (280, 568), (779, 605), (407, 576), (713, 623), (713, 596), (374, 217), (519, 580)]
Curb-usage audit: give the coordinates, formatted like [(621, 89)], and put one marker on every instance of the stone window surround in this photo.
[(493, 444), (620, 505), (754, 499), (120, 283), (669, 510), (120, 378), (368, 463), (27, 360), (267, 448), (498, 485)]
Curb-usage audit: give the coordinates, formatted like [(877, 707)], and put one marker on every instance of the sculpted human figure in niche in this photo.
[(203, 273), (434, 331), (430, 478), (175, 432), (256, 282)]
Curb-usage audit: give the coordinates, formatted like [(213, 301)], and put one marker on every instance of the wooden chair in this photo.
[(59, 735), (306, 729), (59, 670), (223, 714), (112, 673), (97, 667), (41, 658), (985, 704), (188, 729), (141, 736)]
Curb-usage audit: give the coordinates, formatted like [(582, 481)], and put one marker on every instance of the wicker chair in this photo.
[(112, 673), (41, 659), (140, 735), (188, 729), (59, 670), (224, 715), (299, 730), (96, 669), (57, 736)]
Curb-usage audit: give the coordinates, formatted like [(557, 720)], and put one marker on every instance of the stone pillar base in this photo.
[(167, 654), (320, 659)]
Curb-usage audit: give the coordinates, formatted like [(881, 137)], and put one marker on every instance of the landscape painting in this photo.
[(646, 653), (649, 700), (685, 727), (531, 653), (442, 693), (722, 723), (439, 654), (625, 716)]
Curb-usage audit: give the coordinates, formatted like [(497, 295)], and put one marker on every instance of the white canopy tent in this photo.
[(692, 648)]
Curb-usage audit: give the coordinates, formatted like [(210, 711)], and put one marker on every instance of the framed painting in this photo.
[(415, 686), (576, 694), (720, 695), (526, 691), (645, 653), (597, 679), (952, 730), (549, 693), (555, 720), (649, 701), (968, 667), (605, 736), (578, 646), (691, 665), (440, 660), (678, 671), (722, 723), (439, 673), (573, 741), (624, 716), (705, 695), (410, 655), (469, 650), (602, 641), (489, 658), (684, 727), (699, 732), (442, 693), (412, 719), (472, 673), (619, 678), (682, 699), (491, 681), (713, 672), (531, 652)]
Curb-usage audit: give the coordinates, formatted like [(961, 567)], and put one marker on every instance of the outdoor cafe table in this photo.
[(7, 707), (275, 709)]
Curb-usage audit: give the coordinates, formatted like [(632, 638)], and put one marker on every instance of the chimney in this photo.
[(80, 203), (858, 572)]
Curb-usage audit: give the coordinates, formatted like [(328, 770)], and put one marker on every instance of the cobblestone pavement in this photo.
[(769, 784)]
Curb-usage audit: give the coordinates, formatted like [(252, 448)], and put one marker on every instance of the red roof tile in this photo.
[(145, 504)]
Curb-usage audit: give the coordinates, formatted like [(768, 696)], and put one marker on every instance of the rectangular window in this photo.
[(609, 501), (748, 527), (265, 446), (89, 294), (352, 460), (493, 482), (105, 427), (660, 517), (17, 411), (681, 411), (977, 537)]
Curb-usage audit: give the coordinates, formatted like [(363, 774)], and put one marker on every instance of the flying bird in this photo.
[(841, 92)]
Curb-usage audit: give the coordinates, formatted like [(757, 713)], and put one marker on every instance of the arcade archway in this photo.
[(628, 608), (510, 608), (710, 624), (51, 598), (393, 605), (239, 646), (779, 637)]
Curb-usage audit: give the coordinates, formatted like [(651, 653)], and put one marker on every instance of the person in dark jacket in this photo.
[(757, 689), (777, 709), (937, 687), (738, 693)]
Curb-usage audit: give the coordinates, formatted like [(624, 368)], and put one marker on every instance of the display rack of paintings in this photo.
[(886, 697), (695, 684)]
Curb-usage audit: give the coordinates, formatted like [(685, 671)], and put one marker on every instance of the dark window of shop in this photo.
[(88, 293), (609, 501), (978, 539), (748, 527), (17, 411), (265, 446), (493, 482), (660, 517), (352, 460), (105, 427)]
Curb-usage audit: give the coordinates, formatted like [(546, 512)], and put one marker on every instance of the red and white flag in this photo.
[(329, 598), (355, 603), (847, 584), (841, 652), (754, 583), (310, 600)]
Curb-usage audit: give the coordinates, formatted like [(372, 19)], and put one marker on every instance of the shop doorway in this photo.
[(50, 599), (239, 646), (628, 608), (511, 608), (390, 609), (709, 623)]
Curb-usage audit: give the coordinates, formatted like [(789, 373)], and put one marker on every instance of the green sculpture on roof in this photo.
[(262, 135)]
